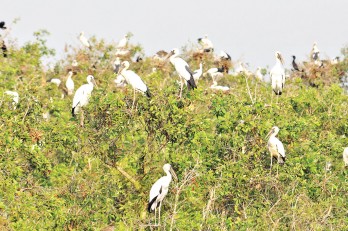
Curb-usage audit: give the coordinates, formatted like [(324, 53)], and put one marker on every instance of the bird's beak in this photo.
[(169, 54), (94, 83), (173, 174), (280, 57), (120, 69), (270, 132)]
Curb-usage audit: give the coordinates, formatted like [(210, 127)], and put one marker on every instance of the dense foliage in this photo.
[(58, 175)]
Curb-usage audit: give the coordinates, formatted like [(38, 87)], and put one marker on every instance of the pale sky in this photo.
[(249, 30)]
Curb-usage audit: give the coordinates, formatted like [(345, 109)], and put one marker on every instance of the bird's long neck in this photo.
[(169, 175), (279, 63)]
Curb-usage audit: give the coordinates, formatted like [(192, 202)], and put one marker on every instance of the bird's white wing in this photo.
[(181, 67), (280, 148), (136, 81)]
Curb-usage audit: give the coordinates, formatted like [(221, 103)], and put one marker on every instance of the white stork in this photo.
[(183, 70), (215, 73), (84, 40), (278, 74), (275, 146), (82, 95), (123, 42), (224, 56), (159, 190), (69, 83), (206, 44), (134, 80), (198, 73), (345, 157)]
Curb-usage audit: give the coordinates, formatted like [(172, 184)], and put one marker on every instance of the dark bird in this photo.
[(2, 25), (294, 64), (4, 49)]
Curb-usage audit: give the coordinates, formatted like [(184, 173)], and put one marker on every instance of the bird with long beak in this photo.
[(278, 75), (183, 70), (134, 80), (160, 189), (275, 147)]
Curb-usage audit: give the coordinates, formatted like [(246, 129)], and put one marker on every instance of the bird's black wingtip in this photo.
[(149, 205), (148, 93), (73, 112)]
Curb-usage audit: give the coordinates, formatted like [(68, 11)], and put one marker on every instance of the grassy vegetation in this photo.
[(57, 175)]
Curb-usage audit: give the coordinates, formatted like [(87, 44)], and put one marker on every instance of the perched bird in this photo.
[(215, 73), (123, 42), (198, 73), (120, 81), (84, 40), (336, 60), (117, 64), (258, 74), (214, 86), (224, 56), (160, 55), (183, 69), (294, 64), (345, 157), (315, 51), (206, 44), (55, 81), (82, 95), (69, 83), (159, 190), (3, 48), (275, 146), (278, 74), (15, 97), (2, 25)]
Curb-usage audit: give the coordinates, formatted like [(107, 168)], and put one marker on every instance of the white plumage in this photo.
[(315, 51), (120, 81), (84, 40), (224, 56), (278, 74), (160, 189), (183, 69), (215, 73), (123, 42), (15, 97), (275, 146), (55, 81), (133, 79), (258, 74), (82, 95), (345, 157), (70, 83), (198, 73), (206, 44), (214, 86)]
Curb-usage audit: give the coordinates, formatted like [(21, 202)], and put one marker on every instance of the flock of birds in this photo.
[(187, 77)]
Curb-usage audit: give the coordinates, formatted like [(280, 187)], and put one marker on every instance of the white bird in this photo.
[(15, 97), (215, 73), (74, 63), (117, 64), (278, 74), (275, 146), (84, 40), (206, 44), (159, 190), (258, 74), (82, 95), (345, 157), (336, 60), (120, 81), (69, 83), (123, 42), (55, 81), (133, 79), (224, 56), (183, 70), (198, 73), (315, 51), (214, 86)]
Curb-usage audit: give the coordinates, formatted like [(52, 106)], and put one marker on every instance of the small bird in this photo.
[(278, 74), (258, 74), (123, 42), (15, 98), (159, 190), (198, 73), (275, 146), (206, 44), (294, 64), (336, 60), (2, 25), (183, 70), (82, 95), (117, 64), (55, 81), (84, 40), (345, 157), (69, 83), (315, 51)]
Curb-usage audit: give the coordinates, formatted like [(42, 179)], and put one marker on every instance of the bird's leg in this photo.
[(159, 214), (182, 85), (155, 214), (82, 118), (270, 169)]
